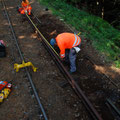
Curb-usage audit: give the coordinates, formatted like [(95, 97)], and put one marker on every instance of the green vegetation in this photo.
[(104, 37)]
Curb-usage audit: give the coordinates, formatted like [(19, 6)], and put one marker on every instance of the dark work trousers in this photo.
[(70, 57)]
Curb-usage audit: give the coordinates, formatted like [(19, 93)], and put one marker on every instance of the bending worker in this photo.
[(26, 7), (69, 45)]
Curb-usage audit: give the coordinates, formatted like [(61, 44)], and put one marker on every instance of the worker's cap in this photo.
[(52, 42)]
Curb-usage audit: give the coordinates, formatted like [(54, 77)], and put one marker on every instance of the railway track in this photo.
[(93, 112), (22, 59), (72, 82)]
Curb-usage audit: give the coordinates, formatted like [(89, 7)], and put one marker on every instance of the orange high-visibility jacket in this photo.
[(67, 41), (25, 4)]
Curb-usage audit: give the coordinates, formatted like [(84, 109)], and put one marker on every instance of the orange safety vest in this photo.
[(67, 41), (25, 7)]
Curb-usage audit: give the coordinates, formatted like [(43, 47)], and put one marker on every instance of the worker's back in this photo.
[(68, 40)]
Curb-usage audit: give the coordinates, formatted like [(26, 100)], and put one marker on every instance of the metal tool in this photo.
[(18, 66)]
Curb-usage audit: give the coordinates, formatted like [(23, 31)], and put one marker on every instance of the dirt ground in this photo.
[(59, 103)]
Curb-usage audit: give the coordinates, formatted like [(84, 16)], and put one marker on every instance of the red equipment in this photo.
[(5, 89)]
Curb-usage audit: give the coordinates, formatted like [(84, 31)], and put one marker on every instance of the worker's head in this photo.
[(52, 42)]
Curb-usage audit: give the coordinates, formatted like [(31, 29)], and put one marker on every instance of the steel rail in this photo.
[(113, 106), (22, 58), (70, 79)]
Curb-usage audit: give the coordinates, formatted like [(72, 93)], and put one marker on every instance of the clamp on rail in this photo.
[(18, 66)]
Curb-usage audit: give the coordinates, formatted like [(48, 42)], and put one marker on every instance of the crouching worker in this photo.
[(69, 45), (26, 7)]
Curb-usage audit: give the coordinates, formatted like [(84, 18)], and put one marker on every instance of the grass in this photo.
[(104, 37)]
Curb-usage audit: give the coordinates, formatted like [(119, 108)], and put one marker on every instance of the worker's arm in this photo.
[(62, 52)]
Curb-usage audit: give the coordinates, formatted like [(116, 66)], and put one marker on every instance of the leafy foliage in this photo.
[(107, 9)]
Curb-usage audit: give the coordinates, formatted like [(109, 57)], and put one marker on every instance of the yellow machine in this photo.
[(4, 94), (1, 97), (5, 89)]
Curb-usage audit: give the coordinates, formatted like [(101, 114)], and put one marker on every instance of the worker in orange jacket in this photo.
[(69, 45), (26, 7)]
